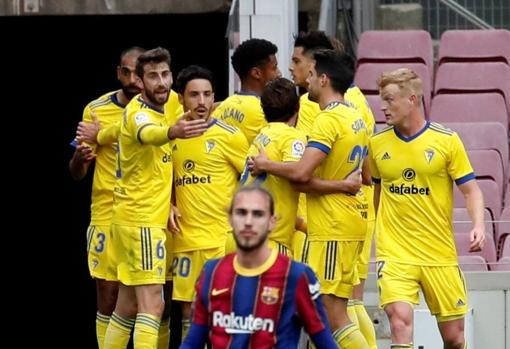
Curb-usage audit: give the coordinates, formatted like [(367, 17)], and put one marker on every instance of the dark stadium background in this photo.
[(58, 64)]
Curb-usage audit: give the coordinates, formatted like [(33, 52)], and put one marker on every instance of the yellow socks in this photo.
[(185, 329), (146, 331), (365, 324), (101, 326), (350, 337), (118, 332), (164, 335), (351, 312)]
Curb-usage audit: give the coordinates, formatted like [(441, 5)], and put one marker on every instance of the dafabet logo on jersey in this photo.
[(189, 166), (409, 175)]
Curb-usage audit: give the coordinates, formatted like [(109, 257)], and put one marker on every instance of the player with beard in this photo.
[(206, 169), (256, 297), (336, 222), (107, 110), (142, 203)]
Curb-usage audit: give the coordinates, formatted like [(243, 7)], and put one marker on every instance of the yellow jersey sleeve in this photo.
[(459, 167), (243, 112), (308, 111)]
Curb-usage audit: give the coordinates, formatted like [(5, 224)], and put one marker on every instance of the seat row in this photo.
[(471, 81)]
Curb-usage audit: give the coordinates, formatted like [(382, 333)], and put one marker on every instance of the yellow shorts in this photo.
[(443, 287), (169, 246), (99, 253), (140, 254), (334, 262), (364, 257), (282, 249), (298, 243), (186, 267)]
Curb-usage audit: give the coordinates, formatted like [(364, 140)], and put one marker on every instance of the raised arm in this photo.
[(299, 171)]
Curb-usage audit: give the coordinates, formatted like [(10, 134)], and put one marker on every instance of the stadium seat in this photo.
[(505, 251), (462, 222), (507, 195), (502, 265), (475, 46), (399, 46), (503, 227), (488, 252), (456, 78), (368, 73), (473, 107), (484, 136), (374, 101), (472, 263), (491, 194), (488, 165)]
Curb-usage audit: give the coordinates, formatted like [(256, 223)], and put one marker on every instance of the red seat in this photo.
[(396, 46), (472, 263), (469, 108), (505, 252), (368, 73), (488, 251), (491, 195), (457, 78), (484, 136), (462, 222), (374, 101), (474, 46), (502, 265), (487, 165)]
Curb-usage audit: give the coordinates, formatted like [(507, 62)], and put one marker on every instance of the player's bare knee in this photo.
[(454, 342)]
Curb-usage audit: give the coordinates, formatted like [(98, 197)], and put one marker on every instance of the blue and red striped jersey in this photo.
[(262, 308)]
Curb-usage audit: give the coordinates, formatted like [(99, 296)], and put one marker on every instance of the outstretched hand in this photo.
[(185, 128)]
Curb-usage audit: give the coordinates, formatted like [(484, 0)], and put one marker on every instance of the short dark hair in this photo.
[(189, 73), (279, 100), (250, 54), (338, 67), (255, 188), (312, 41), (133, 49), (156, 55)]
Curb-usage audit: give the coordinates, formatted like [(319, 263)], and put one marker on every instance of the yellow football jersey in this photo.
[(244, 112), (281, 143), (308, 111), (144, 171), (340, 132), (414, 221), (108, 111), (355, 97), (206, 171), (173, 108)]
